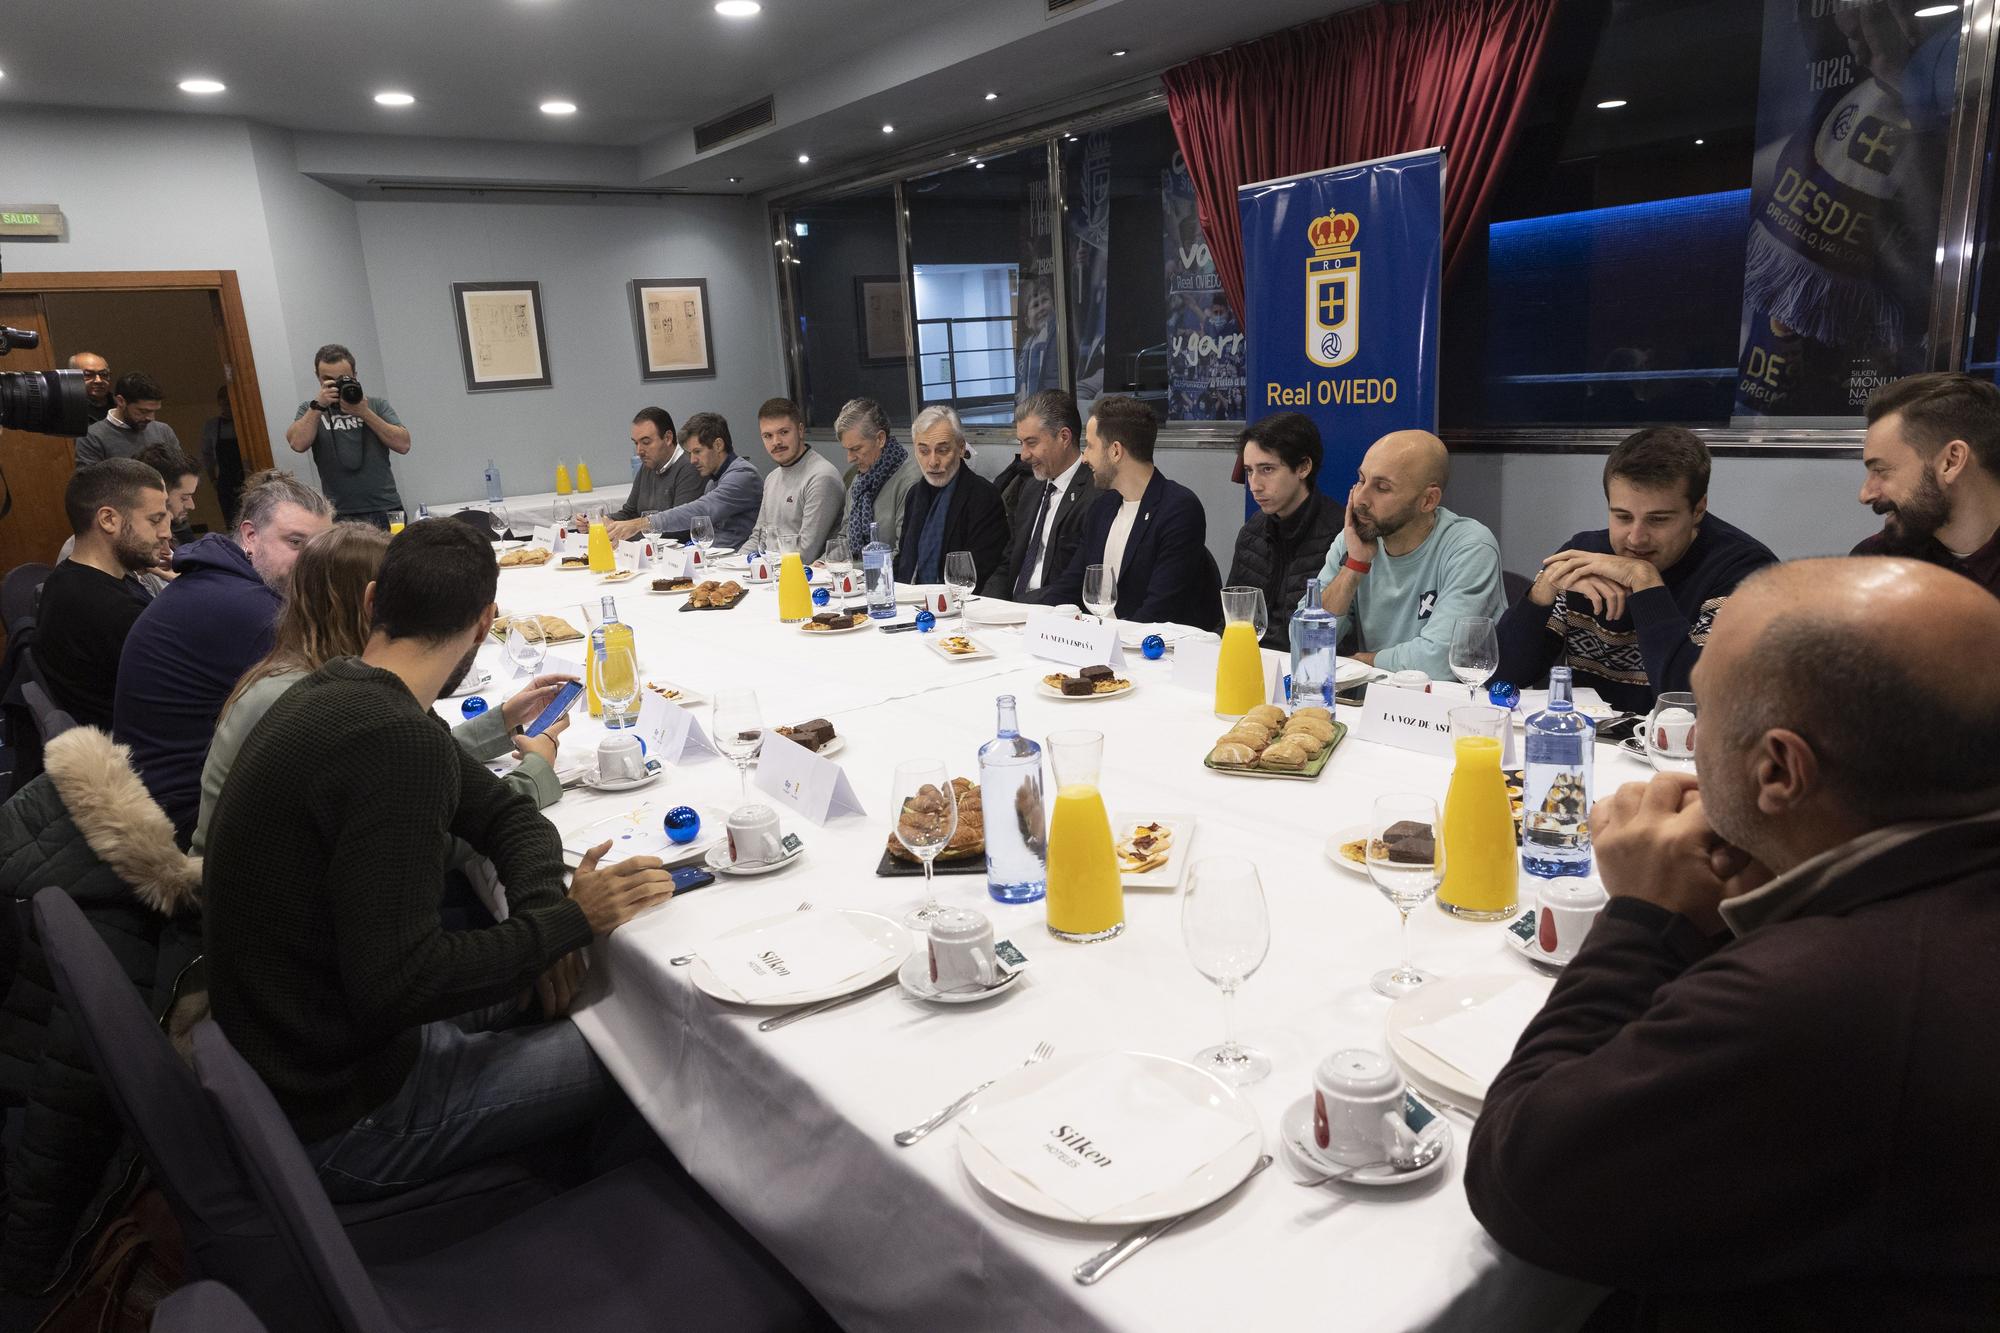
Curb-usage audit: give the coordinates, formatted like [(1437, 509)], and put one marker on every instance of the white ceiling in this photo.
[(641, 74)]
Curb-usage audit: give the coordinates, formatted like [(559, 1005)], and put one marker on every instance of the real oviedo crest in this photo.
[(1333, 290)]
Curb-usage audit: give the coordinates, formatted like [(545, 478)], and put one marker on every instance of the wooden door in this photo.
[(37, 467)]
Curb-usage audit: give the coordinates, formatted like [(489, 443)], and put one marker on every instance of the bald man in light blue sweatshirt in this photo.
[(1405, 569)]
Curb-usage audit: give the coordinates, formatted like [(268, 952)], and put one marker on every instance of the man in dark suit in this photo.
[(1150, 531), (953, 509), (1048, 516)]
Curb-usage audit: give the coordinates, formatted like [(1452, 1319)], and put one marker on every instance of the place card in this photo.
[(691, 564), (800, 780), (1417, 720), (544, 537), (1079, 642), (671, 733), (642, 552)]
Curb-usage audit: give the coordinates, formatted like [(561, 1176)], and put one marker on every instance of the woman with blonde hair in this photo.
[(323, 618)]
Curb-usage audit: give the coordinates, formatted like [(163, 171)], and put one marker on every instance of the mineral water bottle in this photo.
[(878, 563), (1556, 797), (494, 493), (1315, 651), (1010, 791)]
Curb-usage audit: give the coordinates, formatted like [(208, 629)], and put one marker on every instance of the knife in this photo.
[(1097, 1265), (808, 1010)]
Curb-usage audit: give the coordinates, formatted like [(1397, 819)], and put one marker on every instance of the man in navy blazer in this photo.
[(1049, 515), (1150, 530)]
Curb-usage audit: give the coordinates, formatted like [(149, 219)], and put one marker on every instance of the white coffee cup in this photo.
[(760, 568), (1568, 908), (1357, 1106), (620, 758), (754, 836), (1410, 679), (961, 950)]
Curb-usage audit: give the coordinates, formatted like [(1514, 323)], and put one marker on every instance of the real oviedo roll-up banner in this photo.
[(1341, 270)]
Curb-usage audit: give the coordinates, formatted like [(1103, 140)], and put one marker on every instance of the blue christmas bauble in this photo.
[(1154, 647), (473, 707), (821, 596), (926, 622), (683, 824), (1503, 694)]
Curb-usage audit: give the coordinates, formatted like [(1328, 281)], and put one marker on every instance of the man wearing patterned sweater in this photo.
[(1628, 608)]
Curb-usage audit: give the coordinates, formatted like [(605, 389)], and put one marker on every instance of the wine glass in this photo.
[(1100, 590), (618, 684), (737, 728), (839, 566), (1227, 930), (1670, 732), (960, 575), (926, 817), (565, 510), (701, 532), (1475, 650), (526, 644), (1405, 858)]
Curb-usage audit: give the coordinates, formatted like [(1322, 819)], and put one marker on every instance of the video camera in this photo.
[(46, 402)]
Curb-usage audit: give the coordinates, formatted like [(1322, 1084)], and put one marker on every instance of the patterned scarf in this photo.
[(861, 509)]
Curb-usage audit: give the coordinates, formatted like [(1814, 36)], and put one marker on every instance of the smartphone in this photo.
[(689, 878), (903, 628), (559, 705)]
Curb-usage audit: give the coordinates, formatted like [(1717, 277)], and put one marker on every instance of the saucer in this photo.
[(475, 680), (915, 977), (1295, 1127), (1522, 939), (718, 860), (622, 784)]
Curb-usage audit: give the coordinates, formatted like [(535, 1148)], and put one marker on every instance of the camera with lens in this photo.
[(348, 389), (46, 402)]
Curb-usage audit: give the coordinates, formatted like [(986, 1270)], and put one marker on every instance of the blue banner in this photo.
[(1204, 340), (1341, 271)]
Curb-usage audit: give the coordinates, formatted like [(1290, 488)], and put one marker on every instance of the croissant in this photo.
[(1230, 754)]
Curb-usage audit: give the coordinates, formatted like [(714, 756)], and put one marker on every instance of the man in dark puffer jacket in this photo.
[(88, 827), (1285, 541)]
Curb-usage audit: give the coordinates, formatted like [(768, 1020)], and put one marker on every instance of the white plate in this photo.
[(1351, 833), (638, 831), (1197, 1190), (1347, 671), (623, 784), (718, 861), (619, 576), (688, 698), (915, 977), (561, 568), (1131, 635), (1295, 1127), (1167, 876), (891, 935), (997, 611), (1429, 1003), (1049, 691), (475, 680), (832, 747), (935, 642), (805, 627), (670, 592), (1523, 939)]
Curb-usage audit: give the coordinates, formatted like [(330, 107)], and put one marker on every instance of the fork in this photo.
[(916, 1133), (682, 960)]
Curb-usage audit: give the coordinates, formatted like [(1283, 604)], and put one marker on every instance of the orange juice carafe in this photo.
[(562, 479), (582, 476), (1481, 858), (795, 601), (602, 559), (1240, 681), (1086, 897)]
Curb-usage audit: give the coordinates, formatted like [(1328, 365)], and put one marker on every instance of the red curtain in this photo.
[(1386, 79)]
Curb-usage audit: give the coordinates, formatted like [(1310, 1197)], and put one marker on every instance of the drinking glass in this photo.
[(839, 566), (618, 685), (1475, 650), (1227, 930), (1407, 871), (737, 728), (960, 575), (1670, 733), (397, 520), (926, 817), (526, 644), (565, 509), (1100, 590), (701, 532)]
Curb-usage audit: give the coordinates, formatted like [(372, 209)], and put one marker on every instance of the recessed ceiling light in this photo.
[(394, 99), (558, 108), (738, 9), (804, 158), (888, 129), (735, 180), (1936, 11), (993, 97), (979, 166), (200, 86), (1611, 105), (1121, 51), (1699, 142)]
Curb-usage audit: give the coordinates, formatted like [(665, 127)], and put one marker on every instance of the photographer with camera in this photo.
[(351, 436)]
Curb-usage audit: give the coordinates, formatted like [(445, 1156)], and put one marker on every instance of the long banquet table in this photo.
[(791, 1130)]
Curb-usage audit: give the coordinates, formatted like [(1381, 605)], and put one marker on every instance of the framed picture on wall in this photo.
[(500, 335), (670, 319), (878, 305)]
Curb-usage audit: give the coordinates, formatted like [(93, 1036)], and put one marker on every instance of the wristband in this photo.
[(1358, 566)]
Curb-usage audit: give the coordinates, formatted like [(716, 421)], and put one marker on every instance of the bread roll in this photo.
[(1311, 743), (1284, 755), (1229, 754), (1269, 714), (1314, 710), (1258, 730), (1310, 726)]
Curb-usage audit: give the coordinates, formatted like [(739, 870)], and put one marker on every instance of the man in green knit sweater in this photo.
[(400, 1051)]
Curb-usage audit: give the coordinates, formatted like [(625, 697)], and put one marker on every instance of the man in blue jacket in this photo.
[(187, 651), (1151, 531)]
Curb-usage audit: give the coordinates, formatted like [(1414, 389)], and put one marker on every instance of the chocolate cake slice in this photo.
[(1077, 685), (1093, 674)]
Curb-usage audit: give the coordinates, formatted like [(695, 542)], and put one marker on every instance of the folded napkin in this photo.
[(1478, 1040), (998, 611), (807, 951), (1104, 1135)]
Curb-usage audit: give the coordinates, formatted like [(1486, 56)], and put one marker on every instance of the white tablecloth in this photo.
[(792, 1130)]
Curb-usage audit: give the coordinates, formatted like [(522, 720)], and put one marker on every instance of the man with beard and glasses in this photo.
[(1405, 569), (1933, 457), (201, 634), (401, 1051), (118, 511)]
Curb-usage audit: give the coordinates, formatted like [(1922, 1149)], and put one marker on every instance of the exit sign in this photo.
[(31, 220)]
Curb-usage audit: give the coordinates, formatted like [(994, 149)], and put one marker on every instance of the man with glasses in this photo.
[(96, 383)]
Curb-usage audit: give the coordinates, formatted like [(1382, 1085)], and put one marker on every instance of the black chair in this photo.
[(226, 1229), (1515, 585), (50, 721), (18, 592), (635, 1248), (205, 1307)]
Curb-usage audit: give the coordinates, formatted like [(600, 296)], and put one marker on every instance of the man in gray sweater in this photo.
[(666, 476), (129, 426), (803, 497)]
